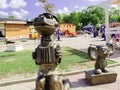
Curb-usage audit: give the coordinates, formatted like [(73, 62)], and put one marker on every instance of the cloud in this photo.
[(116, 7), (24, 12), (12, 4), (97, 0), (17, 4), (64, 11), (3, 14), (20, 14), (76, 6), (38, 4), (3, 4), (83, 8), (78, 9), (92, 0)]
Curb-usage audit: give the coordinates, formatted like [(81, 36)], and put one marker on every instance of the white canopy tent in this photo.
[(107, 5)]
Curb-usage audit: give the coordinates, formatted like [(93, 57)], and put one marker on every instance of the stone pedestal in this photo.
[(104, 78), (13, 47)]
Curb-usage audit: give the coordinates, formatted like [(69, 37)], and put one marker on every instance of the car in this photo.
[(88, 29)]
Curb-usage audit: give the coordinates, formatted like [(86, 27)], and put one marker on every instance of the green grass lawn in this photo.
[(72, 57), (16, 62), (21, 62)]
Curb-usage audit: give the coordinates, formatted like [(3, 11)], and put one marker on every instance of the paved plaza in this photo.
[(78, 81)]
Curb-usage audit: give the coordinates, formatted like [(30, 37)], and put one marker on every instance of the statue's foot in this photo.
[(105, 70), (66, 84), (40, 82), (56, 82), (97, 71)]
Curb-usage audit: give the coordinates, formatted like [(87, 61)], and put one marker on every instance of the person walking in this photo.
[(102, 31), (58, 34), (95, 32)]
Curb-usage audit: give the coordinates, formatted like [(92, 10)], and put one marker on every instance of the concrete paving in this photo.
[(78, 81)]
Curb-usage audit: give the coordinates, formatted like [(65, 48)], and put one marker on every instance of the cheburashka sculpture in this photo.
[(100, 53)]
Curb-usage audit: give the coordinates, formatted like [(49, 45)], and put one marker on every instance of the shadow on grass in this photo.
[(6, 54), (76, 55)]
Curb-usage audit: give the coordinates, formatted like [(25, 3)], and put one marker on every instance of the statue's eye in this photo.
[(103, 49), (49, 16), (41, 15)]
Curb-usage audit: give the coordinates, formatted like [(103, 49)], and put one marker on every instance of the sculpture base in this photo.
[(52, 82), (103, 78), (13, 47)]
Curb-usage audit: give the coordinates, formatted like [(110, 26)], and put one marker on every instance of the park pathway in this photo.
[(78, 82)]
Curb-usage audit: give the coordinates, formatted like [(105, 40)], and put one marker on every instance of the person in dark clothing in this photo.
[(58, 34), (102, 31), (95, 32)]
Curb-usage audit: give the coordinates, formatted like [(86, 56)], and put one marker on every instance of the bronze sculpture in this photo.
[(100, 75), (100, 53), (48, 55)]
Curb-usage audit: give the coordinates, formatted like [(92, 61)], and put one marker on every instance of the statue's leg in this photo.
[(40, 82), (66, 84), (104, 69), (56, 82), (97, 69)]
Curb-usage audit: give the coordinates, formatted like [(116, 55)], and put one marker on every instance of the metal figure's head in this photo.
[(46, 23), (97, 51), (103, 51)]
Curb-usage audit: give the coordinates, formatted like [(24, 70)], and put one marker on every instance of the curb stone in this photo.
[(64, 74)]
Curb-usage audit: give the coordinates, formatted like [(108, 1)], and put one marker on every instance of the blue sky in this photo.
[(27, 9)]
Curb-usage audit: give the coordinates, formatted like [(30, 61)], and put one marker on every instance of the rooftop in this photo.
[(15, 21)]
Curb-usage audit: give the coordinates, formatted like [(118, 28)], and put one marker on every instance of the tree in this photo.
[(114, 14), (73, 17), (48, 7), (94, 15), (60, 18), (11, 17), (43, 1), (66, 18)]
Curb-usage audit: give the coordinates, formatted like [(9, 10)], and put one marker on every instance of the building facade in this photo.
[(14, 28), (68, 29)]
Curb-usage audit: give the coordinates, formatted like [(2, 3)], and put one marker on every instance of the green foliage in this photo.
[(66, 18), (114, 14), (48, 7), (43, 1), (74, 18), (60, 18), (12, 17), (93, 14)]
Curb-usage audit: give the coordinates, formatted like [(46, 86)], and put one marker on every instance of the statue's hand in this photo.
[(58, 53)]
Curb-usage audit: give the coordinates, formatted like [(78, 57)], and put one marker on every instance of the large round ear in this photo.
[(111, 48), (93, 53)]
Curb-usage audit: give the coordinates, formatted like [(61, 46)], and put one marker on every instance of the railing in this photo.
[(116, 38), (115, 30)]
